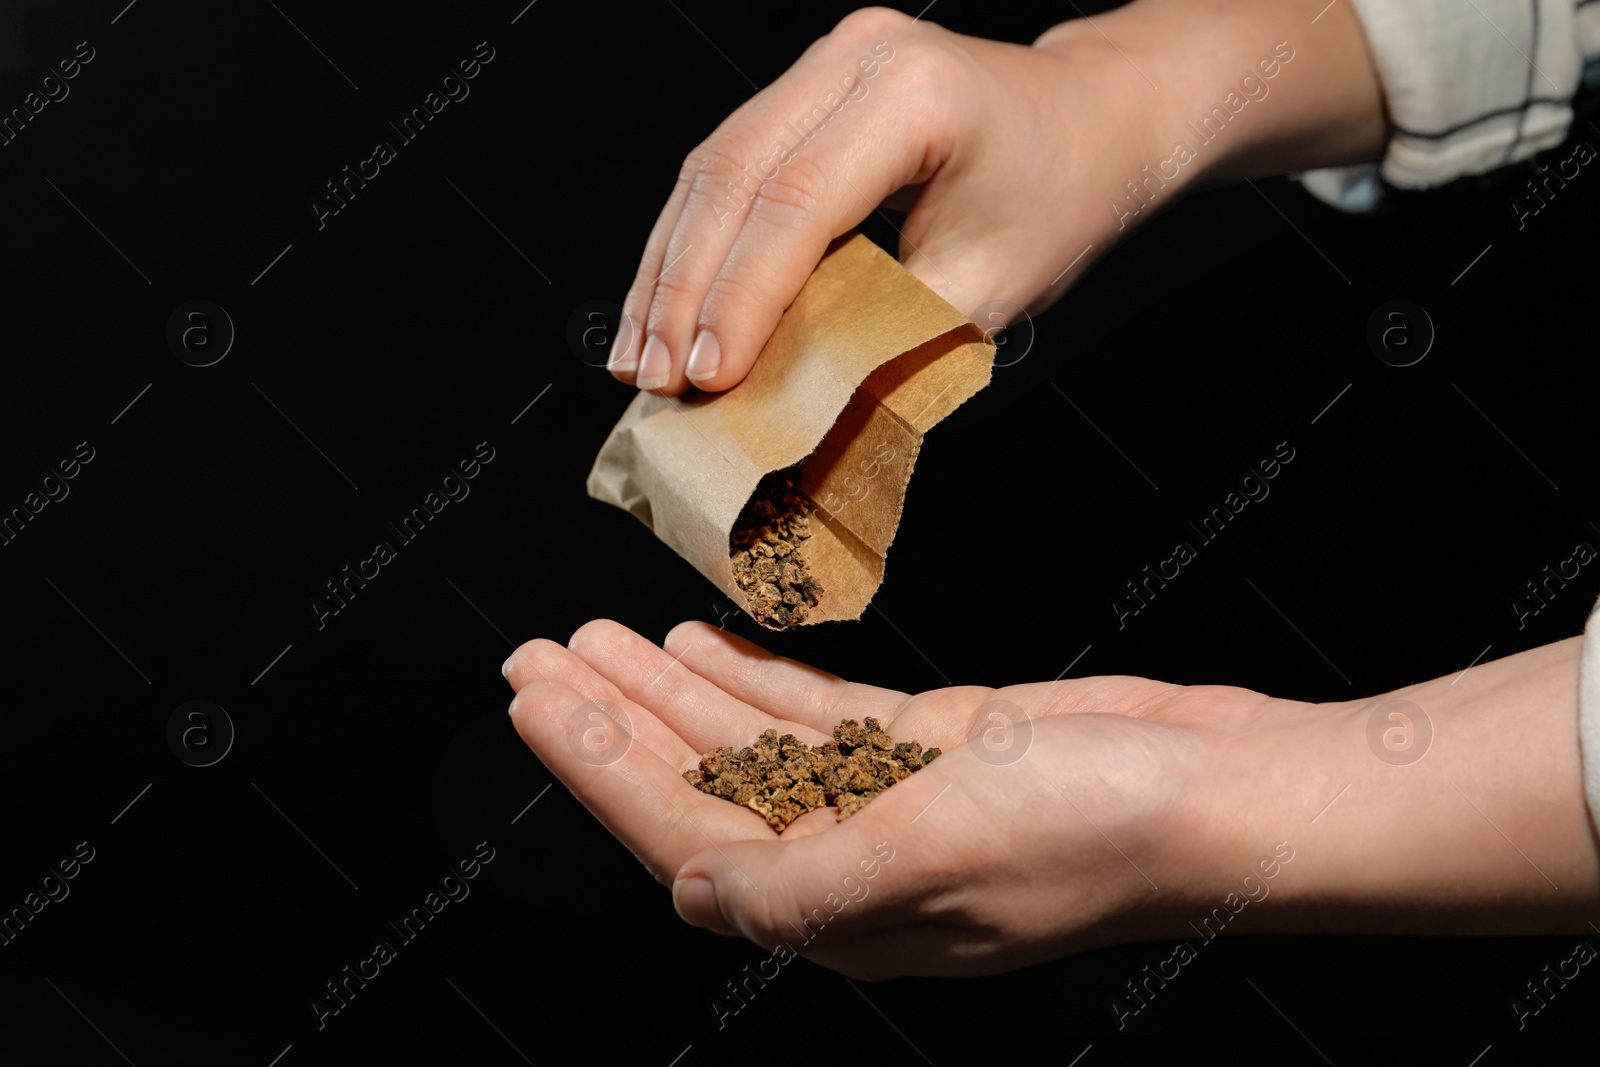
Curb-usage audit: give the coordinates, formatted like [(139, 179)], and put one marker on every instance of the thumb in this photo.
[(774, 892), (695, 898), (740, 888)]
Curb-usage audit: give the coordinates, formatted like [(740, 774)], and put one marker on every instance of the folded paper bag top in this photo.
[(864, 361)]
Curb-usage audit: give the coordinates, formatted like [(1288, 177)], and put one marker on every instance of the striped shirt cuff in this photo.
[(1469, 87)]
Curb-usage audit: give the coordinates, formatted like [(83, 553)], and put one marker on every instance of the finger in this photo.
[(699, 711), (782, 688), (624, 364), (808, 195), (715, 184), (776, 188), (637, 795), (527, 662), (546, 661), (658, 255)]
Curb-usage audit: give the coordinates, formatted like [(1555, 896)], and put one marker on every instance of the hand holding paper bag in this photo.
[(861, 365)]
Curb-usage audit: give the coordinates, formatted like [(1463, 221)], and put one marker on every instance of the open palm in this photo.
[(1045, 828)]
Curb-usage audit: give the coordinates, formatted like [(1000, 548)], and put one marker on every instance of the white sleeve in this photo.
[(1468, 86), (1589, 713)]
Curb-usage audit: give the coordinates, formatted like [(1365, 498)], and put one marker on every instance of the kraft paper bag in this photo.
[(864, 362)]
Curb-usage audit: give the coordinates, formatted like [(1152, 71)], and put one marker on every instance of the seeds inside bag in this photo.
[(786, 490), (766, 552)]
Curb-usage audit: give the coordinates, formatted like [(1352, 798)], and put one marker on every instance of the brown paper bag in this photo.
[(861, 365)]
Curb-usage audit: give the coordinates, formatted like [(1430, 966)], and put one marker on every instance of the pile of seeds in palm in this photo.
[(764, 549), (782, 778)]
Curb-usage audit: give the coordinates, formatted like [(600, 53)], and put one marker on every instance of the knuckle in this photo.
[(683, 632), (712, 165), (719, 162), (726, 169), (692, 163), (1214, 697), (926, 67), (1222, 706), (798, 190), (595, 636), (872, 22), (669, 288), (541, 656), (729, 290), (676, 303)]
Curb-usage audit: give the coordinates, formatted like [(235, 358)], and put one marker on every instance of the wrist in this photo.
[(1124, 121), (1214, 841), (1451, 806), (1240, 88), (1238, 845)]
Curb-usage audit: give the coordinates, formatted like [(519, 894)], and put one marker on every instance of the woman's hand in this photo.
[(1045, 833), (1020, 165), (993, 134), (1090, 811)]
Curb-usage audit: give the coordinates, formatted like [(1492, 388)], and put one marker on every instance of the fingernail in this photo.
[(505, 668), (704, 358), (655, 364), (625, 349), (696, 900)]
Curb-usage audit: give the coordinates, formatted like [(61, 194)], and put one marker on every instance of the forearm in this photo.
[(1487, 830), (1281, 92)]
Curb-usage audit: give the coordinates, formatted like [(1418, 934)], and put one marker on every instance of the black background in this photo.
[(376, 752)]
